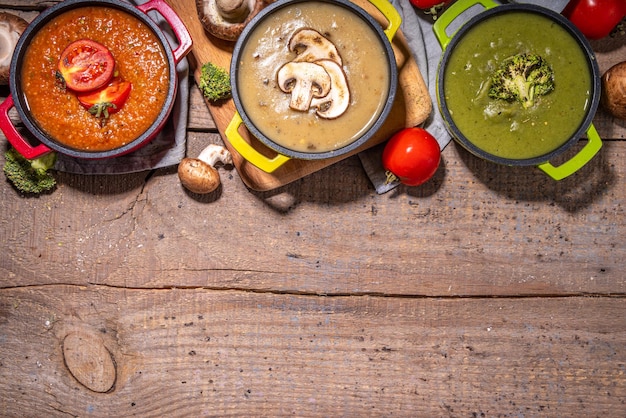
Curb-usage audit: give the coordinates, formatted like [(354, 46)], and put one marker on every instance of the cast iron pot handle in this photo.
[(577, 161), (180, 30), (450, 15), (20, 144)]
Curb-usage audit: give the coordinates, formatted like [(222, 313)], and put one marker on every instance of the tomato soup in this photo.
[(139, 58)]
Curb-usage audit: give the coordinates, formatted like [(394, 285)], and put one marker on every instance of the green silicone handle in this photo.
[(577, 161), (246, 150), (450, 15)]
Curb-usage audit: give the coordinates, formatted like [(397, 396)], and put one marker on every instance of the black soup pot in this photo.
[(242, 115), (491, 46)]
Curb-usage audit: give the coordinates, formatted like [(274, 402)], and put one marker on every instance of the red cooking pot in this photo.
[(18, 100)]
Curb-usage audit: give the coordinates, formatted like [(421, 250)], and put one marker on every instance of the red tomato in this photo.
[(108, 99), (595, 18), (411, 156), (432, 6), (86, 65), (429, 4)]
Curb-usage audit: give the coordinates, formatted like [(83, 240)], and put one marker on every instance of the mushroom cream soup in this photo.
[(509, 130), (266, 59)]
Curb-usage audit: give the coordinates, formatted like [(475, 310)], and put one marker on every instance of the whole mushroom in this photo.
[(225, 19), (11, 28), (613, 97), (199, 175)]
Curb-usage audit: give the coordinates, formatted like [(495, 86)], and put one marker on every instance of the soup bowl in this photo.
[(32, 119), (278, 69), (506, 131)]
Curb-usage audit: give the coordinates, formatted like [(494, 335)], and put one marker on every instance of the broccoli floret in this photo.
[(29, 176), (214, 82), (522, 77)]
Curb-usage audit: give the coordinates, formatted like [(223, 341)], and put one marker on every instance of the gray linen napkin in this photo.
[(417, 29), (166, 149)]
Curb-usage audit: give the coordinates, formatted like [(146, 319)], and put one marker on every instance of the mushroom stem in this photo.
[(304, 80), (214, 153), (226, 19), (233, 10)]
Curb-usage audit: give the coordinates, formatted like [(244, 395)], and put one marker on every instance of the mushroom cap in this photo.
[(336, 102), (226, 19), (304, 80), (197, 176), (11, 28), (613, 97), (310, 45)]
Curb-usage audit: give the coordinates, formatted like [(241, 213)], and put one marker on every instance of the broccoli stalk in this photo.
[(29, 176), (214, 82), (522, 77)]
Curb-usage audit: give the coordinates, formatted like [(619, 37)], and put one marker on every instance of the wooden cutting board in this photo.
[(411, 107)]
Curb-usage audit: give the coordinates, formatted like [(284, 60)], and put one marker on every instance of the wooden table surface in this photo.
[(489, 291)]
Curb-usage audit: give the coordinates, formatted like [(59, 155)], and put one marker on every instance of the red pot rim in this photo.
[(60, 8)]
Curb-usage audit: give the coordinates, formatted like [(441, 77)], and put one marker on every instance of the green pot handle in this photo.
[(577, 161), (450, 15), (242, 146), (391, 14)]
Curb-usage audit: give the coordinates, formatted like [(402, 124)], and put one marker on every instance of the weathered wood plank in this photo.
[(199, 116), (27, 5), (475, 229), (196, 352), (215, 305)]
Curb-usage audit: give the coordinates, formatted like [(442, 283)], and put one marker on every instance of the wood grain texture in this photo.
[(199, 352), (89, 361), (27, 5), (411, 107), (477, 229), (489, 291)]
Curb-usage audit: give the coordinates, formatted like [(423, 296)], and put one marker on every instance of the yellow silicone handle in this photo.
[(577, 161), (246, 150), (391, 14), (450, 15)]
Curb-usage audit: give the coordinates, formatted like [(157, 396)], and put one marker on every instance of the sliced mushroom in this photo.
[(225, 19), (11, 28), (305, 81), (337, 101), (310, 45)]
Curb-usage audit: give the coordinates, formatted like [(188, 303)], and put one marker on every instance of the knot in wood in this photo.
[(89, 361)]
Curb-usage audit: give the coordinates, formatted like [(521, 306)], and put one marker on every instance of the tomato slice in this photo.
[(86, 65), (109, 99)]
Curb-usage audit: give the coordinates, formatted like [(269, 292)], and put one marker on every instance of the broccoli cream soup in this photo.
[(313, 77), (508, 129)]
